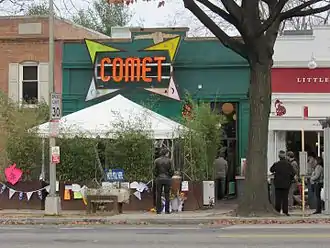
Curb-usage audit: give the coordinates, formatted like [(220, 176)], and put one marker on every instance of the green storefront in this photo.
[(202, 66)]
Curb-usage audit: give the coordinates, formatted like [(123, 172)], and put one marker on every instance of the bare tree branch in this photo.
[(223, 14), (233, 9), (292, 12), (308, 12), (275, 11), (230, 42)]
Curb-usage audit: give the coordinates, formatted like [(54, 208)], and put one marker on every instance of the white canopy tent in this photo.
[(103, 118)]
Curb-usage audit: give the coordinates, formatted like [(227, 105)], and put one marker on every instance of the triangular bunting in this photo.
[(11, 193), (47, 188), (170, 45), (29, 195), (94, 47)]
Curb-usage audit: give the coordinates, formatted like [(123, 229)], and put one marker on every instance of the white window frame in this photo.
[(21, 66)]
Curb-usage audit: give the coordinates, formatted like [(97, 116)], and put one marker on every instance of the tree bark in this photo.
[(255, 200)]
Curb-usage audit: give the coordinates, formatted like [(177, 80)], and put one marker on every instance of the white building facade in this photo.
[(301, 92)]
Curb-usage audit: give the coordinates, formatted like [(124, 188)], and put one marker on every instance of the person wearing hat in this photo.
[(163, 173), (283, 176)]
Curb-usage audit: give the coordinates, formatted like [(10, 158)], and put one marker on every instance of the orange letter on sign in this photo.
[(117, 62), (135, 65), (104, 78), (146, 69), (159, 61)]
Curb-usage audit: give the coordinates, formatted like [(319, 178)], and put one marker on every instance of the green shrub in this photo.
[(201, 141)]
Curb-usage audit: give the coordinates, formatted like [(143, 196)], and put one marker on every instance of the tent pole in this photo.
[(43, 159)]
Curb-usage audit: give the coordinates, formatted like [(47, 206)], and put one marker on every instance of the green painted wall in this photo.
[(223, 74)]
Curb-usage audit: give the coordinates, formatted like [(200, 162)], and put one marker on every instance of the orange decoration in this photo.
[(131, 69), (227, 108)]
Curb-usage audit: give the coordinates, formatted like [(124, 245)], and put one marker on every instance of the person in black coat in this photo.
[(283, 177), (163, 173)]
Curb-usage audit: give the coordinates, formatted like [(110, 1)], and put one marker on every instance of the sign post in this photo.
[(303, 162), (303, 170), (52, 206), (53, 202)]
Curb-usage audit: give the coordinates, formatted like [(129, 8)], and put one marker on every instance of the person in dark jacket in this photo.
[(283, 177), (163, 173)]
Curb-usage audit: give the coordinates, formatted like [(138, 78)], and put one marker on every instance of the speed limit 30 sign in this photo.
[(56, 106)]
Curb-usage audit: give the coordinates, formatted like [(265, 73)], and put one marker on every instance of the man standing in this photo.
[(283, 176), (221, 169), (311, 164), (293, 187), (163, 172)]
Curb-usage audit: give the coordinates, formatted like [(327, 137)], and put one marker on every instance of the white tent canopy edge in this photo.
[(102, 120)]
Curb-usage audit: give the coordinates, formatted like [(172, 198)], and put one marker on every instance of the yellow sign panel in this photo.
[(170, 45), (94, 47)]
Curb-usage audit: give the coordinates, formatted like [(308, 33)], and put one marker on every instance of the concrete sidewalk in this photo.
[(215, 217)]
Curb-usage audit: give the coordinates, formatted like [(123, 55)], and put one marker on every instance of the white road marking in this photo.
[(15, 228), (76, 228), (278, 226), (154, 228)]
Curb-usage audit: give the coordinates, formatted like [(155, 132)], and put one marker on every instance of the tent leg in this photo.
[(42, 174)]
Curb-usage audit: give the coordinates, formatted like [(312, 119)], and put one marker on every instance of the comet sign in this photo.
[(111, 72), (150, 68)]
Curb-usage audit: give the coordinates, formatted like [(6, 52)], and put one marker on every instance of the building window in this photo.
[(30, 80)]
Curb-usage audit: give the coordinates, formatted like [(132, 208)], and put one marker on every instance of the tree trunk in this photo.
[(255, 200)]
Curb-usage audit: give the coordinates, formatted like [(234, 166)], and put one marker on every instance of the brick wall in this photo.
[(64, 29), (17, 48)]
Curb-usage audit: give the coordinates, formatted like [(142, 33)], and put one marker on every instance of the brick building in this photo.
[(24, 55)]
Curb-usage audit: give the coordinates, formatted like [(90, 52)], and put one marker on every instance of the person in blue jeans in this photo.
[(311, 164), (317, 184)]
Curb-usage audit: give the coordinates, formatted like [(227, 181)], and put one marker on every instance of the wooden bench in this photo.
[(93, 201)]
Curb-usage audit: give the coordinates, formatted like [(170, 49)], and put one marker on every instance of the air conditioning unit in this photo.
[(120, 33)]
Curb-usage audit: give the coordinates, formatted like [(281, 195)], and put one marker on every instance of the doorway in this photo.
[(313, 141), (229, 141)]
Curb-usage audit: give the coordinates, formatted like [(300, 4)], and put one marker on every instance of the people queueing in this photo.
[(221, 170), (292, 160), (317, 184), (163, 173), (283, 177)]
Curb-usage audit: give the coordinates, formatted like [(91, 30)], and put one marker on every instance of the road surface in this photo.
[(253, 236)]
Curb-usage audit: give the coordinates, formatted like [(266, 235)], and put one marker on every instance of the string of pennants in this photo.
[(28, 194)]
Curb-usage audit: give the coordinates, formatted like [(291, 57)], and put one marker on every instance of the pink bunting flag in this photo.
[(13, 174)]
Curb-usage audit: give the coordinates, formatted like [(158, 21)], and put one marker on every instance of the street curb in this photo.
[(191, 221)]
